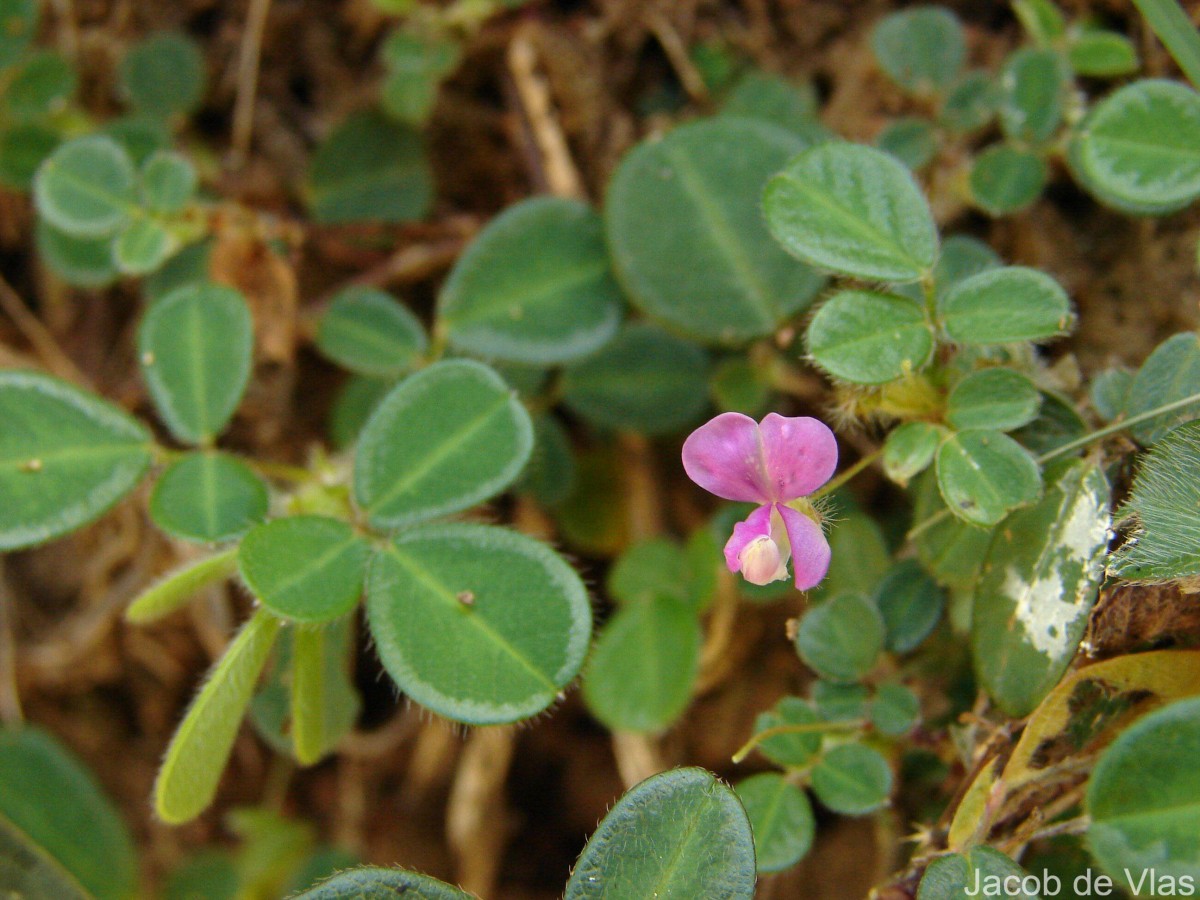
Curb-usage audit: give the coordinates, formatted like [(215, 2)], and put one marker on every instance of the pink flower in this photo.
[(774, 464)]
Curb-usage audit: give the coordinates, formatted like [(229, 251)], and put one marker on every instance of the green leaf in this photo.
[(551, 473), (66, 456), (909, 450), (852, 779), (860, 557), (142, 246), (957, 876), (922, 49), (869, 338), (911, 140), (353, 407), (304, 568), (1033, 87), (971, 104), (1001, 306), (660, 568), (476, 623), (911, 604), (207, 874), (54, 813), (998, 398), (22, 149), (208, 497), (324, 703), (18, 26), (1038, 585), (951, 549), (774, 99), (163, 75), (1171, 373), (370, 169), (141, 136), (1056, 424), (1109, 392), (1005, 179), (178, 587), (721, 279), (168, 182), (780, 817), (738, 385), (643, 380), (854, 210), (82, 262), (961, 257), (87, 187), (1165, 504), (368, 331), (190, 264), (192, 768), (533, 287), (679, 834), (841, 639), (416, 64), (373, 883), (41, 86), (1103, 54), (1144, 797), (790, 750), (839, 702), (1139, 148), (984, 475), (895, 710), (443, 440), (195, 347), (643, 666), (1041, 19)]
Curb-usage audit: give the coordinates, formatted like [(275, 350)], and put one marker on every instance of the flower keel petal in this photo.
[(757, 525)]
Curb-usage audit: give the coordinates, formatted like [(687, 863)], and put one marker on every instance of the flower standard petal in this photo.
[(810, 550), (756, 525), (800, 455), (725, 457)]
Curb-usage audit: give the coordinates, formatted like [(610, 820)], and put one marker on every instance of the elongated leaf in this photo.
[(909, 450), (304, 568), (1000, 306), (781, 818), (477, 623), (1103, 54), (533, 287), (1170, 373), (922, 49), (869, 338), (1144, 797), (87, 187), (1033, 87), (720, 279), (984, 475), (319, 702), (643, 380), (368, 331), (998, 398), (1139, 148), (853, 210), (208, 497), (370, 169), (65, 457), (58, 831), (444, 439), (178, 587), (194, 346), (643, 667), (1039, 584), (374, 883), (192, 768), (1165, 503), (679, 834)]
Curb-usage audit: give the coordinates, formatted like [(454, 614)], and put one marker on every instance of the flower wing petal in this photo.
[(757, 524), (800, 454), (810, 550), (724, 456)]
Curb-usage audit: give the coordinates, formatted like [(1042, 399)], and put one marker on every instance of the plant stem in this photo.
[(806, 728), (1117, 426), (1171, 23), (834, 483)]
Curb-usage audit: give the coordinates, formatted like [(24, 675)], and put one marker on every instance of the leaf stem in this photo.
[(1171, 23), (1115, 427), (805, 728), (834, 483)]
